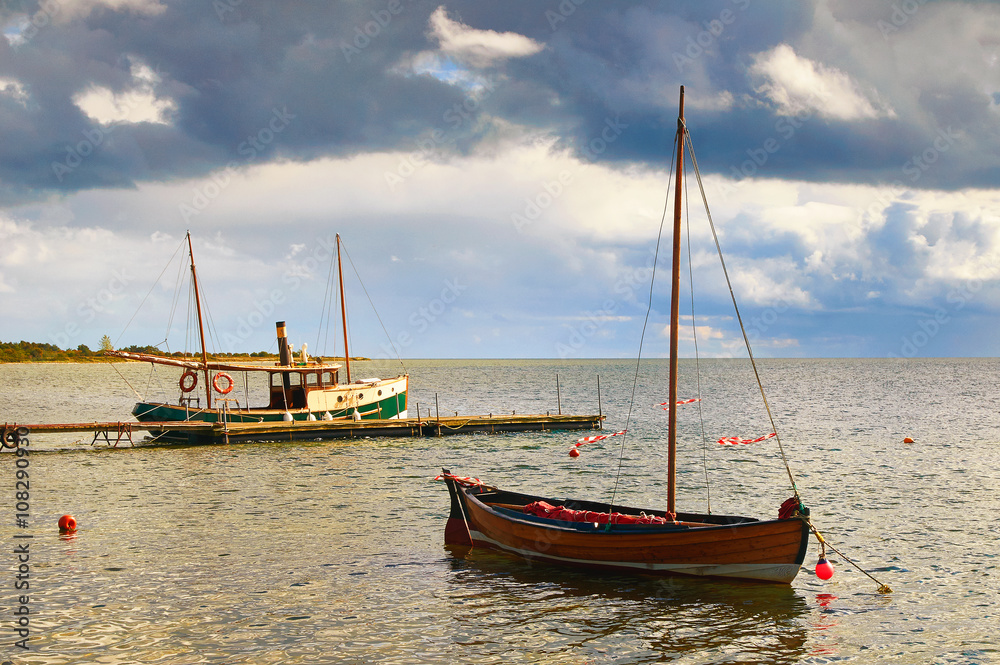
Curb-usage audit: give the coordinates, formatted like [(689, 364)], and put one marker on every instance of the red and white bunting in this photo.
[(463, 481), (598, 437), (735, 440), (666, 405)]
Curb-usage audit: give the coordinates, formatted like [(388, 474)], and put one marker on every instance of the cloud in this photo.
[(479, 48), (14, 89), (139, 103), (799, 86)]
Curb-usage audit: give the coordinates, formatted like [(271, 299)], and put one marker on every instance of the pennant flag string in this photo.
[(735, 440), (666, 405), (573, 452), (598, 437)]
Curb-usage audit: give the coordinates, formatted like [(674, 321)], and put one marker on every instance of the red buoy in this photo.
[(573, 452), (67, 524), (907, 440), (824, 570)]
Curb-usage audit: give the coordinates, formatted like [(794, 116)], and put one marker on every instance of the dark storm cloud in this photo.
[(335, 75)]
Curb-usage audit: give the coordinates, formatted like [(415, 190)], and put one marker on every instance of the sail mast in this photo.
[(675, 281), (343, 311), (201, 327)]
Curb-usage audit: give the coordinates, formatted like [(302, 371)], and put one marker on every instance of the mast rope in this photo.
[(351, 261), (697, 355), (157, 281), (642, 336), (732, 295)]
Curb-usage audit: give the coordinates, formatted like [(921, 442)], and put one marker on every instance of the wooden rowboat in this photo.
[(690, 544), (611, 537)]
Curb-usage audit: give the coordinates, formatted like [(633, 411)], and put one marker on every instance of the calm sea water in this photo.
[(331, 552)]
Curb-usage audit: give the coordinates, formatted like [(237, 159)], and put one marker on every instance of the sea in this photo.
[(333, 552)]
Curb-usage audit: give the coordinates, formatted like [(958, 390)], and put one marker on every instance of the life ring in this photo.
[(229, 385), (185, 388)]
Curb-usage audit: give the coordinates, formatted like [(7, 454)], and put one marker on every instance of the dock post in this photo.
[(558, 396), (437, 413), (599, 412)]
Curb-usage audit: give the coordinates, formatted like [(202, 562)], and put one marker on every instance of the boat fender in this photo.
[(229, 383), (188, 374), (792, 507)]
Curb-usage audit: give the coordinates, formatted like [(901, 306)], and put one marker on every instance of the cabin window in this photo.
[(380, 393), (312, 379), (340, 398), (328, 379), (294, 379)]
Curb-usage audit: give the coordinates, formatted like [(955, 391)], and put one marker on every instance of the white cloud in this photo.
[(799, 86), (479, 48), (138, 104), (14, 89), (78, 8)]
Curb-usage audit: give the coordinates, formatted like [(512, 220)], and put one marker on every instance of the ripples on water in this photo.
[(331, 552)]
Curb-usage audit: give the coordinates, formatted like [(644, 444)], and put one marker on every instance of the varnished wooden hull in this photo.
[(701, 545)]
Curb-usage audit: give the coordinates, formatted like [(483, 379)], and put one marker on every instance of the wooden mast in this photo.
[(201, 327), (343, 311), (675, 281)]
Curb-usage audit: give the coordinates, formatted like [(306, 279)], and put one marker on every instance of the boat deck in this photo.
[(115, 433)]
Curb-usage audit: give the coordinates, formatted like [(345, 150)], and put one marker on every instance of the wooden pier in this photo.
[(195, 432)]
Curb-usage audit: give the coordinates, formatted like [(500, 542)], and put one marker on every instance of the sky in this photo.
[(498, 173)]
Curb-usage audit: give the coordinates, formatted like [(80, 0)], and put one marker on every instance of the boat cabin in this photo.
[(289, 389)]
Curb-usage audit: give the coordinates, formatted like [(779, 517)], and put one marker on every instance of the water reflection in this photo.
[(574, 616)]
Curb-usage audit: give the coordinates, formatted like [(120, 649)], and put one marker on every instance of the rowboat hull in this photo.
[(697, 545)]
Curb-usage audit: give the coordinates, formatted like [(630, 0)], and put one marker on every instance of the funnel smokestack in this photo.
[(284, 356)]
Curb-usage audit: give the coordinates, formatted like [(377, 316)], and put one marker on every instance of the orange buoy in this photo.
[(67, 524), (573, 452), (907, 440)]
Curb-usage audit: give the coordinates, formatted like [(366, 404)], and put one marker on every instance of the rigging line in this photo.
[(124, 379), (325, 311), (136, 313), (178, 282), (746, 339), (697, 356), (642, 336), (351, 261)]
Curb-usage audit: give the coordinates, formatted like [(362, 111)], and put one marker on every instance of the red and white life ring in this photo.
[(229, 383), (188, 374)]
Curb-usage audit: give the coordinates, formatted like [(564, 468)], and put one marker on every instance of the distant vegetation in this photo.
[(26, 352)]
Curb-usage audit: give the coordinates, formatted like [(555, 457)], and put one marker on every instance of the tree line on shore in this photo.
[(23, 352)]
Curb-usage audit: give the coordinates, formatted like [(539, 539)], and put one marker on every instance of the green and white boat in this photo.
[(302, 390)]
